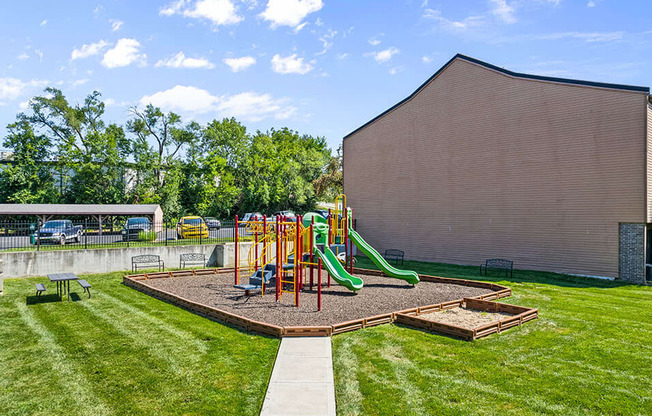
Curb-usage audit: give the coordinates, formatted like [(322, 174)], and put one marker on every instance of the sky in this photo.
[(320, 67)]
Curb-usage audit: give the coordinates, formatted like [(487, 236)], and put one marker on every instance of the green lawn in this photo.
[(588, 353), (122, 352)]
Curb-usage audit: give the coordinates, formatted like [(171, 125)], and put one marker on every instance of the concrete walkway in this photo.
[(302, 379)]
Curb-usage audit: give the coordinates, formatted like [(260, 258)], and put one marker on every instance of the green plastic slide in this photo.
[(337, 271), (407, 275)]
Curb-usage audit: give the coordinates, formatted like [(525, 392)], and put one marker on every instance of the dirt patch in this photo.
[(379, 295), (464, 317)]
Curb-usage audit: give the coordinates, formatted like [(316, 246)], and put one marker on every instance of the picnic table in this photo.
[(61, 279)]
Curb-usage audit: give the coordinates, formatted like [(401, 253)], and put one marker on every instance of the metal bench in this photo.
[(497, 264), (40, 288), (192, 259), (395, 255), (86, 286), (145, 261)]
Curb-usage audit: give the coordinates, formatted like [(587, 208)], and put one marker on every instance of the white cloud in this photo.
[(44, 22), (384, 55), (395, 70), (289, 12), (125, 52), (290, 65), (181, 61), (251, 106), (589, 37), (327, 41), (23, 56), (12, 88), (246, 106), (239, 64), (466, 23), (342, 55), (79, 82), (504, 11), (116, 24), (301, 26), (23, 105), (88, 50), (182, 98), (374, 42), (426, 59), (219, 12)]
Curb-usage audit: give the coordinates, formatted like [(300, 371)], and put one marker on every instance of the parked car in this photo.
[(289, 215), (192, 226), (322, 212), (134, 226), (58, 231), (212, 223), (251, 216)]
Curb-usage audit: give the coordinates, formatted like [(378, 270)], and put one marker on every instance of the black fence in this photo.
[(65, 235), (90, 234)]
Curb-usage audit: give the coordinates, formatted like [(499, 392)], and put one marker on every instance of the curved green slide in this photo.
[(328, 258), (407, 275), (337, 271)]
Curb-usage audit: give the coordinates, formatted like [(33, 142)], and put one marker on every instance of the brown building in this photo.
[(480, 162)]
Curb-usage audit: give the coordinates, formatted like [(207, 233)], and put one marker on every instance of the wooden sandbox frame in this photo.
[(520, 314), (263, 328)]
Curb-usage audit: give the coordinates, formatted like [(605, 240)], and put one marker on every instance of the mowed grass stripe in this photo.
[(102, 353), (142, 320), (117, 341), (72, 381), (584, 355)]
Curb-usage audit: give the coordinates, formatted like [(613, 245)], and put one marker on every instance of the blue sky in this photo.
[(320, 67)]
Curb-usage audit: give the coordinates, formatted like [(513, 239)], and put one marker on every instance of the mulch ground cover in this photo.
[(379, 295)]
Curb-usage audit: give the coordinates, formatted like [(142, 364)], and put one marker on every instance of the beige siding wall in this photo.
[(481, 165)]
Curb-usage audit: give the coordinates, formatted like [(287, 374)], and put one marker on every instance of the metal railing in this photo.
[(90, 234)]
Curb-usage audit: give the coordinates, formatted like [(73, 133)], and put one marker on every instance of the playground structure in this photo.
[(285, 254)]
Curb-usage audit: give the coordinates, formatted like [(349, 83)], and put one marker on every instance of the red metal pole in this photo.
[(312, 247), (346, 240), (300, 242), (236, 250), (319, 287), (256, 250), (278, 266), (297, 280), (330, 227)]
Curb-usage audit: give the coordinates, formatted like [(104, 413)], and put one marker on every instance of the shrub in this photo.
[(147, 235)]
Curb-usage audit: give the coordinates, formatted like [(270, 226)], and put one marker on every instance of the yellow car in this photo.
[(192, 227)]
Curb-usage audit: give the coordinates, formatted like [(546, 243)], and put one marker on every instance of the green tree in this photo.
[(158, 171), (28, 179), (330, 184), (93, 153), (215, 167)]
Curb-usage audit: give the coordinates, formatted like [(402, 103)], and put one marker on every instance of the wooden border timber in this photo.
[(520, 314), (138, 282)]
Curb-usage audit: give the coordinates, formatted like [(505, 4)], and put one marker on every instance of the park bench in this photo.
[(395, 255), (86, 286), (192, 259), (145, 261), (40, 288), (497, 264)]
